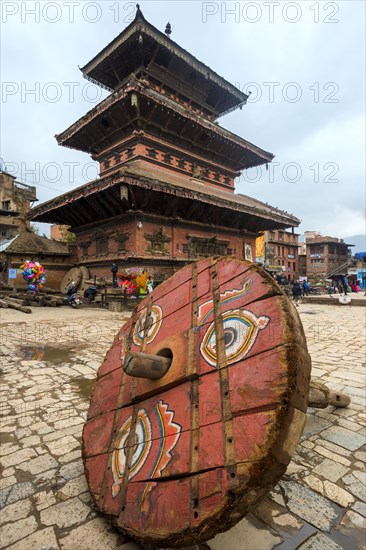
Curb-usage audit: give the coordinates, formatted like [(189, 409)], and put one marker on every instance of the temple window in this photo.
[(200, 247), (167, 158), (121, 241), (158, 242), (152, 153), (102, 247)]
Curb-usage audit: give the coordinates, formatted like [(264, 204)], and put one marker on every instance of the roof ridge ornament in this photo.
[(168, 30), (138, 12)]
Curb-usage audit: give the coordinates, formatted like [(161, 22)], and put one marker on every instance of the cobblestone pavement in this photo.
[(48, 368)]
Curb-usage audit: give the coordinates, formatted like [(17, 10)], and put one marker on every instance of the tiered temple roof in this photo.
[(156, 137), (143, 50)]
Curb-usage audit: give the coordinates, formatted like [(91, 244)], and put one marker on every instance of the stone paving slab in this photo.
[(320, 504)]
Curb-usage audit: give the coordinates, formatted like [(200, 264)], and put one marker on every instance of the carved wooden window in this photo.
[(152, 153), (102, 246), (122, 239), (84, 250), (200, 247), (158, 242)]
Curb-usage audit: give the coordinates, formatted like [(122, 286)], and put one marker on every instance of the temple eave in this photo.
[(101, 200)]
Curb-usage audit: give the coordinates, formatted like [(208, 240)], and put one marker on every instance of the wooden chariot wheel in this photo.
[(74, 275), (209, 416)]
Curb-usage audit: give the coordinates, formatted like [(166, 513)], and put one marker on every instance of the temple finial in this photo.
[(168, 30), (138, 12)]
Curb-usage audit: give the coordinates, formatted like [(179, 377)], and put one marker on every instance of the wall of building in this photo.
[(281, 253), (156, 243), (14, 206), (324, 255)]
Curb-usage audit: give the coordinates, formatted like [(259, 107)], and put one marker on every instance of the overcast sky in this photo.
[(303, 62)]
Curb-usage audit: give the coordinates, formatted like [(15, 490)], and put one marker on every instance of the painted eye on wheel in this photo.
[(142, 444), (155, 320), (241, 329)]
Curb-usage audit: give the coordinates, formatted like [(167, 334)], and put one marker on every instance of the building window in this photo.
[(122, 239), (102, 247), (168, 158), (158, 242), (151, 152), (199, 247), (280, 236), (271, 235), (157, 248), (84, 250), (5, 205)]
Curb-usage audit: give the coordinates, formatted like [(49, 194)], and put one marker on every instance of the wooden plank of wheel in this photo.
[(72, 276), (175, 460)]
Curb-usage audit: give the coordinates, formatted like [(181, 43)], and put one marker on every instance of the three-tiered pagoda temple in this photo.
[(165, 195)]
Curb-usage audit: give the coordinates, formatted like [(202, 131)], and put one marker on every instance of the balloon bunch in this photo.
[(34, 275)]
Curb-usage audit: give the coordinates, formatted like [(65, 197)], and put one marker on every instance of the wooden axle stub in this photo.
[(321, 397), (145, 365)]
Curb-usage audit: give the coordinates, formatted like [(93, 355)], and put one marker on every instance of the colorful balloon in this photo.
[(34, 275)]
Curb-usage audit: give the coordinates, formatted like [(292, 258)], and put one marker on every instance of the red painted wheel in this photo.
[(174, 461)]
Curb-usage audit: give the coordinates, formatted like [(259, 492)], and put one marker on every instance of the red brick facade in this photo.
[(157, 244), (325, 255), (281, 253)]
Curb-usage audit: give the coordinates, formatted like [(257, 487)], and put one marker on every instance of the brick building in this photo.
[(165, 195), (281, 253), (15, 203), (326, 256)]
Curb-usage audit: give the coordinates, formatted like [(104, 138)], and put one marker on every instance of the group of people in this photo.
[(346, 286), (343, 286)]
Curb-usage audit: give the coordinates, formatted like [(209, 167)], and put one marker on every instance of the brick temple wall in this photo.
[(160, 244)]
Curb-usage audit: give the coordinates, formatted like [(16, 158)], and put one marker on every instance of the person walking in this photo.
[(345, 284), (297, 292), (305, 288)]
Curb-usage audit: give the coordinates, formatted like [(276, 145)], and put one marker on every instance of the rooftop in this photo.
[(90, 201), (141, 46), (31, 244)]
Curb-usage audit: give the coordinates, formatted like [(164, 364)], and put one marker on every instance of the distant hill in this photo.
[(359, 241)]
